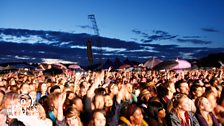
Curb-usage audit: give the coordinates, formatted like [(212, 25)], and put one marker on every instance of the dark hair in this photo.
[(162, 90), (153, 109), (128, 110), (178, 83), (53, 88)]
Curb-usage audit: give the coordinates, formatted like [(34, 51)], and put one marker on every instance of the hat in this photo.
[(143, 93)]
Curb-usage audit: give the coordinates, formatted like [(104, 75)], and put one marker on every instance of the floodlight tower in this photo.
[(96, 32)]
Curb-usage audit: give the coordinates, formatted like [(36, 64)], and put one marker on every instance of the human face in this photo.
[(184, 89), (199, 92), (185, 105), (99, 119), (25, 89), (138, 117), (44, 87), (108, 101), (73, 121), (212, 100), (206, 105), (115, 89)]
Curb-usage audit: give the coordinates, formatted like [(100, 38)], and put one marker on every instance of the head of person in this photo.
[(113, 88), (132, 113), (53, 100), (211, 96), (98, 101), (108, 101), (98, 118), (77, 103), (196, 91), (42, 87), (24, 89), (181, 102), (145, 95), (32, 87), (55, 88), (11, 103), (156, 110), (182, 87), (2, 94), (135, 114), (203, 104), (72, 117)]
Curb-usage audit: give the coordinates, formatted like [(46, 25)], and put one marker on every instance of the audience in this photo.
[(111, 98)]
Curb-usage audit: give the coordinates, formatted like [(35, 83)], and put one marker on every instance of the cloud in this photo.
[(194, 41), (192, 37), (136, 31), (160, 32), (85, 26), (157, 35), (72, 47), (209, 30)]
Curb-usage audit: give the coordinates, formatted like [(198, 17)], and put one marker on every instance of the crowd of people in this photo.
[(113, 98)]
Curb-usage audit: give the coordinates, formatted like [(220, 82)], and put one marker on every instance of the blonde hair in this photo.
[(73, 112), (175, 102)]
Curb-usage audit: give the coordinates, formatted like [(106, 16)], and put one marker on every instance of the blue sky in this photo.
[(191, 22), (161, 28)]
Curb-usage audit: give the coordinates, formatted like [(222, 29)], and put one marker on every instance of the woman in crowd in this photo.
[(71, 118), (42, 91), (98, 118), (131, 115), (156, 114), (180, 114), (204, 112)]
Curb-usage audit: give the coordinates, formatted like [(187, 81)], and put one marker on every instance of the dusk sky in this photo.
[(192, 23), (169, 23)]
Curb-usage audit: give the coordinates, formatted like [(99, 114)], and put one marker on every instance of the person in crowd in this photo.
[(217, 110), (24, 89), (180, 114), (98, 118), (11, 102), (131, 115), (71, 118), (196, 91), (204, 113), (182, 87), (165, 92), (2, 94), (112, 90), (42, 91), (156, 114), (54, 99)]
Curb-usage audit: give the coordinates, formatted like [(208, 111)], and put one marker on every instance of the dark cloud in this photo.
[(136, 31), (194, 41), (119, 48), (158, 35), (192, 37), (160, 32), (209, 30), (85, 26)]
